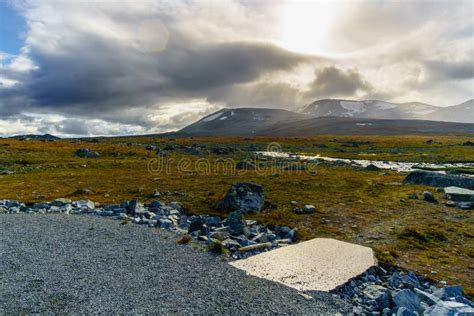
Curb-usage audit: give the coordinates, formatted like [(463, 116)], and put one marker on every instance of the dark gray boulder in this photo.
[(237, 225), (407, 299), (245, 197), (449, 292), (372, 167), (196, 224), (87, 153), (429, 197), (438, 179)]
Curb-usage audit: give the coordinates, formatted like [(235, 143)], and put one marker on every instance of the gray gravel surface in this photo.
[(84, 264)]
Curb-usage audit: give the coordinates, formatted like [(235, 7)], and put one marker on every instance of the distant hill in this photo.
[(275, 122), (242, 121), (364, 126), (463, 112), (36, 137), (386, 110)]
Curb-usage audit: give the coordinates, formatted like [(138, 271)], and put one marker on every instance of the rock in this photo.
[(246, 197), (372, 167), (61, 202), (165, 223), (448, 308), (237, 225), (230, 244), (377, 293), (437, 179), (282, 231), (6, 172), (133, 207), (256, 246), (295, 167), (307, 209), (243, 240), (196, 225), (85, 204), (260, 238), (155, 194), (212, 221), (449, 292), (403, 311), (176, 205), (219, 235), (407, 299), (410, 280), (459, 194), (41, 205), (413, 196), (87, 153), (427, 298), (174, 212), (245, 165), (429, 197), (155, 205)]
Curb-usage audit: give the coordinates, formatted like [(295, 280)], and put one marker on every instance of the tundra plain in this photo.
[(371, 208)]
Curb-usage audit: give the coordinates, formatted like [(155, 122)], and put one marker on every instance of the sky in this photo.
[(115, 67)]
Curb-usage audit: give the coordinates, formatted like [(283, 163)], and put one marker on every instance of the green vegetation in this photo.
[(365, 207), (217, 247)]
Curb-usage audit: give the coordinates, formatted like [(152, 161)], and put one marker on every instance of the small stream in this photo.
[(390, 165)]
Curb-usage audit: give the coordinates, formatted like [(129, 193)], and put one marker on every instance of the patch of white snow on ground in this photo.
[(223, 118)]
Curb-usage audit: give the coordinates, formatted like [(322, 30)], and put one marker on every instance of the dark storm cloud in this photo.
[(334, 82), (225, 64), (107, 79)]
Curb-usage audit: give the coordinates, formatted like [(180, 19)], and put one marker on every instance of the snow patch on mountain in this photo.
[(212, 117), (353, 107)]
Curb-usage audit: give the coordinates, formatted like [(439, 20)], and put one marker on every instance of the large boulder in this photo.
[(87, 153), (245, 197), (438, 179)]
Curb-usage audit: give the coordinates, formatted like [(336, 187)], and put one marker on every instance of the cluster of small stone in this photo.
[(395, 292), (240, 237)]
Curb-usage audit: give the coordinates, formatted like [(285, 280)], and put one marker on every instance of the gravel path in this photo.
[(85, 264)]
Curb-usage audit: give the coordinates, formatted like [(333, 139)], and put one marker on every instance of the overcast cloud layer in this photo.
[(128, 67)]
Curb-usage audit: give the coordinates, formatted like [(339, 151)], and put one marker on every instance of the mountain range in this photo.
[(376, 109), (336, 116)]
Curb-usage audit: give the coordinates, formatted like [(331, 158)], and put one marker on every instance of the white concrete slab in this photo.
[(320, 264)]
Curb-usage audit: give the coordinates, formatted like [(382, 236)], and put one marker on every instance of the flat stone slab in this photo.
[(320, 264)]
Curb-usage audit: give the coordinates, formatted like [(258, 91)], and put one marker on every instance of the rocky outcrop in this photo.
[(438, 179), (245, 197)]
